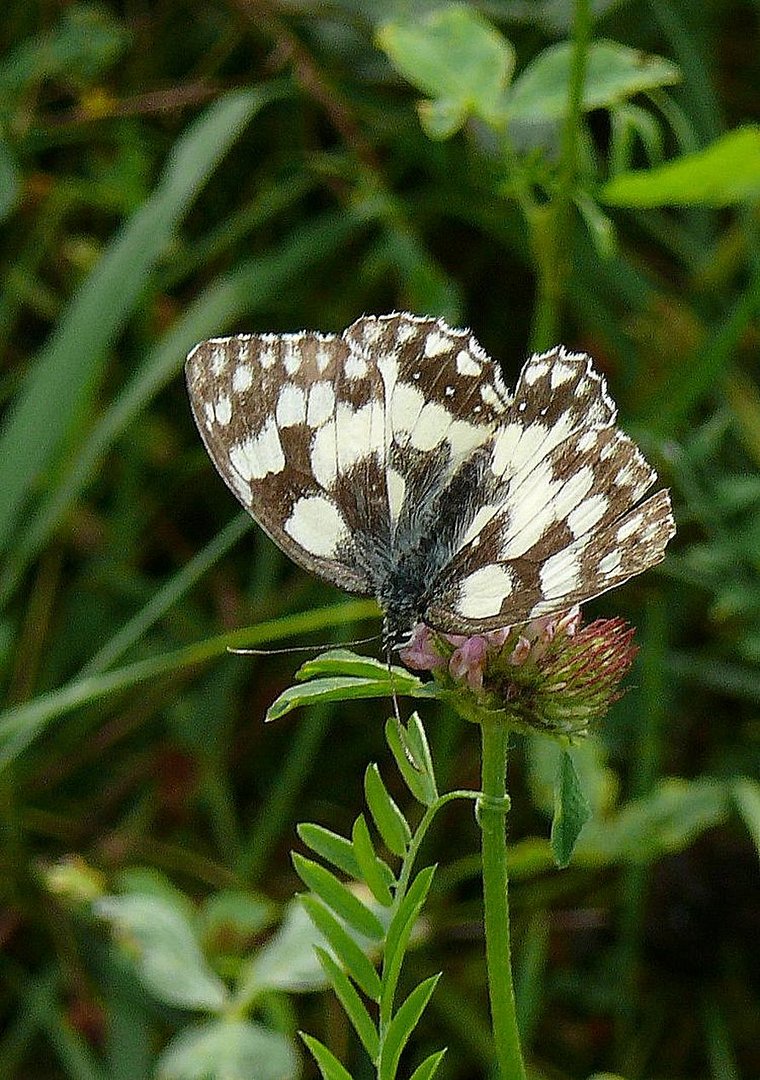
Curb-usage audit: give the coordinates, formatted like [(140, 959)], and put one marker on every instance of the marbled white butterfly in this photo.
[(393, 461)]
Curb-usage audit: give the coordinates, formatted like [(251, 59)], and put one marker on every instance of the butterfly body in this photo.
[(392, 461)]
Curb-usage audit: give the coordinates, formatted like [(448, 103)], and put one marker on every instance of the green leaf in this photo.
[(400, 930), (746, 796), (402, 1025), (429, 1067), (412, 757), (345, 662), (338, 897), (376, 873), (456, 57), (357, 964), (169, 959), (614, 73), (332, 847), (390, 822), (339, 688), (352, 1004), (571, 810), (59, 381), (229, 1049), (329, 1065), (725, 172)]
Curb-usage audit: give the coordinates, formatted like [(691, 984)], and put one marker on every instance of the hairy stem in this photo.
[(496, 903)]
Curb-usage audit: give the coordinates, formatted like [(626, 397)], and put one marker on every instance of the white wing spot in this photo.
[(267, 357), (259, 455), (436, 343), (449, 391), (321, 404), (324, 463), (587, 514), (218, 360), (223, 411), (609, 564), (534, 371), (396, 491), (291, 405), (482, 594), (355, 366), (466, 365), (317, 525), (208, 412), (629, 527), (561, 373), (561, 573), (291, 355), (242, 379)]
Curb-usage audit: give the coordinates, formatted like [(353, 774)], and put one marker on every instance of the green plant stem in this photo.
[(496, 902)]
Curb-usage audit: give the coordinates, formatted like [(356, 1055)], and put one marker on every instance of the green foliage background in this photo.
[(174, 170)]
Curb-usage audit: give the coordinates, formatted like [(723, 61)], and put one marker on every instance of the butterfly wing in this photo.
[(565, 522), (285, 419)]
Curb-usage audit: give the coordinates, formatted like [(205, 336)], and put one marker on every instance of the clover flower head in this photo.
[(552, 674)]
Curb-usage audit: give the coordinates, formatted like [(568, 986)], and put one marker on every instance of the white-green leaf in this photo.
[(345, 662), (614, 73), (168, 957), (229, 1050), (455, 57), (287, 961), (724, 173), (571, 810)]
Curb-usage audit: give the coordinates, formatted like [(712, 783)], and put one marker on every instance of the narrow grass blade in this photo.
[(429, 1067), (62, 377)]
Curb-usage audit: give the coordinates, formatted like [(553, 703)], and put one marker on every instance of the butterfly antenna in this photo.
[(388, 653), (301, 648)]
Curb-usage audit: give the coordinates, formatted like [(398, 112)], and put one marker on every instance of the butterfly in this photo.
[(393, 461)]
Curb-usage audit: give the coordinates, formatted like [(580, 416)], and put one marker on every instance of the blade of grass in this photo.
[(20, 725), (250, 286), (64, 373)]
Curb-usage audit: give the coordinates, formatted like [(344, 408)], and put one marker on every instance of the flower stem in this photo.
[(495, 901)]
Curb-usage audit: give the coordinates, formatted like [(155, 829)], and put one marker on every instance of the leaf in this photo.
[(376, 873), (429, 1067), (725, 172), (59, 381), (229, 1049), (357, 963), (338, 897), (456, 57), (339, 688), (415, 766), (329, 1065), (345, 662), (168, 957), (401, 927), (230, 917), (390, 822), (614, 73), (746, 796), (332, 847), (287, 961), (402, 1025), (352, 1004), (571, 810)]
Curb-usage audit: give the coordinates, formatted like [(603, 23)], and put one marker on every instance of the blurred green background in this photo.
[(171, 171)]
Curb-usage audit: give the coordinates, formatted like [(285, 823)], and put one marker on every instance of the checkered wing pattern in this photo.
[(392, 460)]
